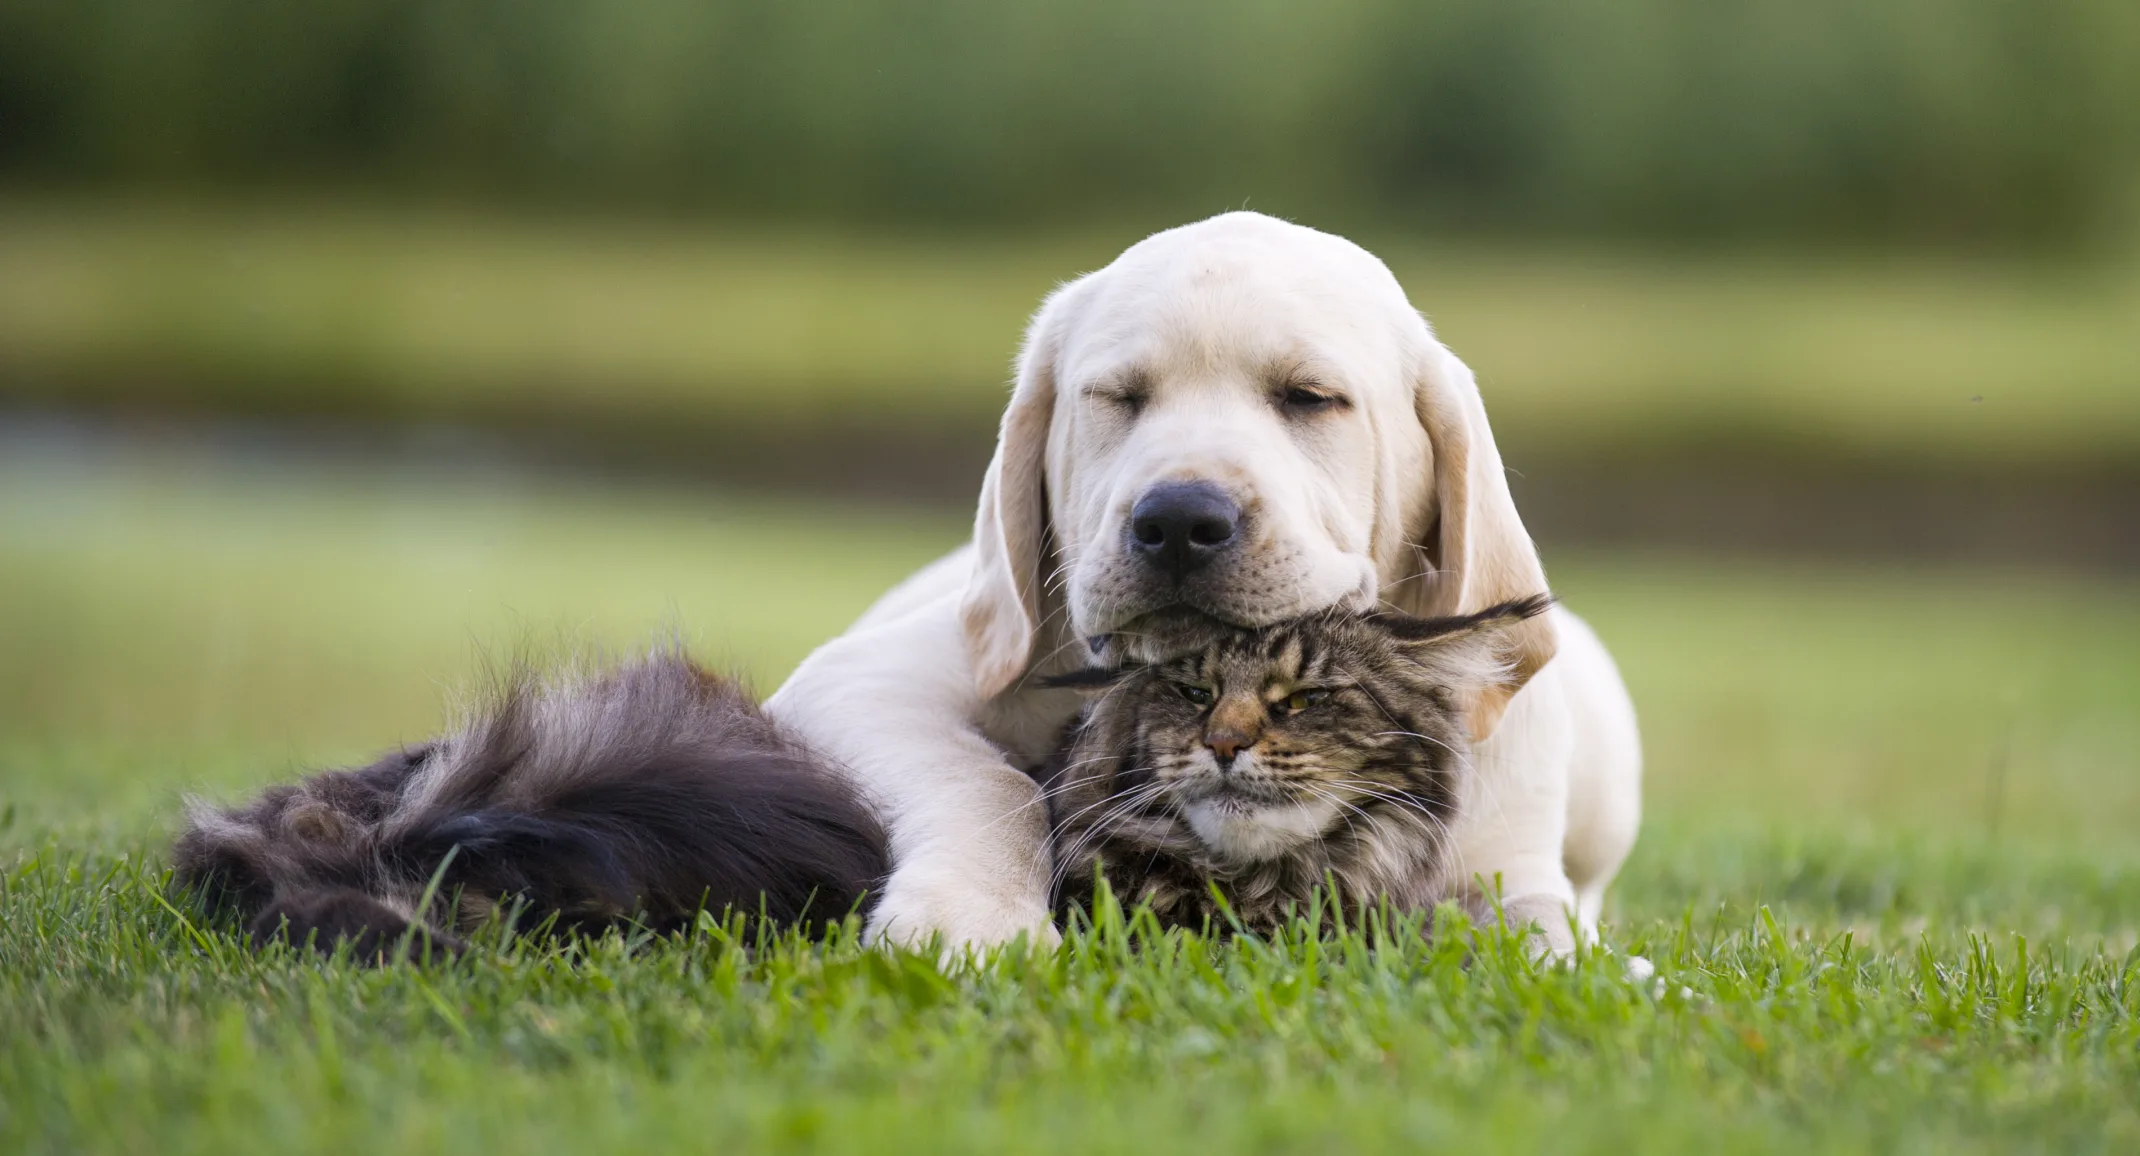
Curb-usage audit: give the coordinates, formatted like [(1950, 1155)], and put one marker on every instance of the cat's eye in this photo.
[(1303, 699), (1199, 695)]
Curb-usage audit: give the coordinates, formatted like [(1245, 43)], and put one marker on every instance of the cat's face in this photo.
[(1265, 740)]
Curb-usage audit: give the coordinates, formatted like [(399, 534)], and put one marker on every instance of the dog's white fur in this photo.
[(1174, 364)]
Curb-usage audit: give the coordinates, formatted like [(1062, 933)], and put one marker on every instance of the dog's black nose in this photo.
[(1179, 527)]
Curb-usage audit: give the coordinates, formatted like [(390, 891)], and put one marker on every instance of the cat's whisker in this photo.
[(1048, 794), (1088, 762), (1117, 805), (1500, 812), (1042, 799), (1145, 789), (1085, 842), (1381, 793), (1345, 807), (1443, 840), (1439, 824)]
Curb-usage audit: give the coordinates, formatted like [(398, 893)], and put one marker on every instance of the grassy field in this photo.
[(1889, 875), (400, 315)]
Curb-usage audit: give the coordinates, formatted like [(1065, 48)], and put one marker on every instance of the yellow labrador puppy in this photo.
[(1239, 420)]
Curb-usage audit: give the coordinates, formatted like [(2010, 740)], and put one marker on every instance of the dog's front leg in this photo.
[(894, 702), (1512, 823)]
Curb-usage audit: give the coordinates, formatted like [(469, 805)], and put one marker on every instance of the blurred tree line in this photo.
[(1999, 121)]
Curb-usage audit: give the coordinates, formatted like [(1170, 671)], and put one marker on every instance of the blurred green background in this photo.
[(351, 348), (345, 343), (1973, 121)]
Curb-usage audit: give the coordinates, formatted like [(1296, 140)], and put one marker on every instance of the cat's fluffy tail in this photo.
[(648, 793)]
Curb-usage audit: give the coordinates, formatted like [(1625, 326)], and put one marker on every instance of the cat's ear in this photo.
[(1477, 652)]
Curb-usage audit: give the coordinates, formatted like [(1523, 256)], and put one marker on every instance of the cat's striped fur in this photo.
[(1274, 761)]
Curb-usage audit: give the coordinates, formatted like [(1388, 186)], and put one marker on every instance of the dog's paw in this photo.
[(1546, 918), (926, 905)]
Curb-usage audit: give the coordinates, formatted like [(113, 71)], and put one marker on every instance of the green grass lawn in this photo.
[(400, 314), (1889, 876)]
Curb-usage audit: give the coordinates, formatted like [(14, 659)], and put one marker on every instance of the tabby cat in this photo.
[(1272, 762), (1265, 761)]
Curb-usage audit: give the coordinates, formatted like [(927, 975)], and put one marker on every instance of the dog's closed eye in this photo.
[(1305, 399)]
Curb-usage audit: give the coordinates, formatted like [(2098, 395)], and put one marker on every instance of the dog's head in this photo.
[(1238, 422)]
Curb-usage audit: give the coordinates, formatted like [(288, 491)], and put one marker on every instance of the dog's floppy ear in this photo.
[(1473, 552), (1002, 612)]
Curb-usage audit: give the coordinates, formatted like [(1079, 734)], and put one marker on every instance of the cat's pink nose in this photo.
[(1225, 745)]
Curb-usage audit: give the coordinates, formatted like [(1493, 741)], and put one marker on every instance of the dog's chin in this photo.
[(1145, 624), (1162, 634)]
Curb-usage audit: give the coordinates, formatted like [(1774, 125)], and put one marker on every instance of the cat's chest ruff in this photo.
[(1239, 831)]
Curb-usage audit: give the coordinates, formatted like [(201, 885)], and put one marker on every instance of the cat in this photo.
[(1272, 762), (646, 794), (1264, 761)]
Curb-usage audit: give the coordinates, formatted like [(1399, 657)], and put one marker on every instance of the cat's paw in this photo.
[(926, 904)]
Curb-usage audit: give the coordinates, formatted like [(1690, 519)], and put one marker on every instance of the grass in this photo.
[(140, 1035), (402, 315), (1888, 876)]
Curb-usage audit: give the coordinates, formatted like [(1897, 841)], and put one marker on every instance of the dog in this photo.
[(1238, 421)]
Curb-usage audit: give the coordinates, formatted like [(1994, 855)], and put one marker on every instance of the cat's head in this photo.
[(1265, 739)]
